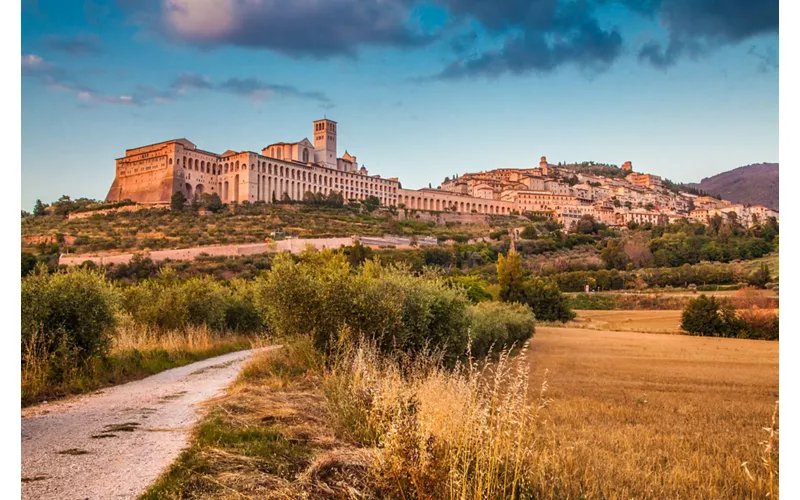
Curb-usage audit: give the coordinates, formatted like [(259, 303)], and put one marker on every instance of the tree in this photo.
[(63, 206), (587, 225), (357, 254), (177, 201), (39, 208), (547, 301), (510, 276), (709, 317), (335, 199), (529, 233), (28, 263), (761, 276), (614, 255), (211, 202), (372, 203)]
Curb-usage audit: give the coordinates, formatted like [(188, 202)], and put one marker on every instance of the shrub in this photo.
[(760, 324), (497, 325), (709, 317), (593, 301), (546, 300), (169, 303), (318, 296), (529, 233), (69, 312)]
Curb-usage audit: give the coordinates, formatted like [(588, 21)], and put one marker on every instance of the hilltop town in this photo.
[(293, 171), (566, 195)]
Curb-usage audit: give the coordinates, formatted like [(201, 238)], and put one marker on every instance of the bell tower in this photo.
[(325, 143)]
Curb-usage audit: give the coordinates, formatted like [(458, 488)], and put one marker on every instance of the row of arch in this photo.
[(270, 188), (422, 203), (270, 169)]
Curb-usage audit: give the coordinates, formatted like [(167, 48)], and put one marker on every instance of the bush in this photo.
[(497, 325), (709, 317), (169, 303), (318, 296), (546, 300), (69, 313), (760, 324)]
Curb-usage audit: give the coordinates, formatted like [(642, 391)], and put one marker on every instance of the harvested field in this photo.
[(668, 321), (654, 416), (655, 321)]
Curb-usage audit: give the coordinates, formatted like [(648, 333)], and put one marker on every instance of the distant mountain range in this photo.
[(755, 184)]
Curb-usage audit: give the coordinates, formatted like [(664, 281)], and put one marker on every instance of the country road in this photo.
[(114, 443)]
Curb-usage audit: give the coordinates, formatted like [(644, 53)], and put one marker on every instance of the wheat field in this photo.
[(654, 416)]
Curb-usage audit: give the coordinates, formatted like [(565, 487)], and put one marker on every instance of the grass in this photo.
[(268, 437), (653, 416), (136, 352), (155, 229), (621, 415)]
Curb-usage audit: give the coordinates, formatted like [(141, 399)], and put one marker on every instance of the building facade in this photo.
[(151, 174)]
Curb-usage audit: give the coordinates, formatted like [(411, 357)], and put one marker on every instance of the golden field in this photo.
[(628, 415), (663, 321), (653, 416), (645, 321)]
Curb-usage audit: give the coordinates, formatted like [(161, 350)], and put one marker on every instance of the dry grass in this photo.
[(628, 416), (462, 434), (664, 321), (654, 416), (269, 437), (136, 352)]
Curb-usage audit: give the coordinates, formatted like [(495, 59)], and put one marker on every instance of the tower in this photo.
[(325, 142), (543, 165)]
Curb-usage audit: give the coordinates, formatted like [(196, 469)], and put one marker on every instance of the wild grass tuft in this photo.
[(466, 433)]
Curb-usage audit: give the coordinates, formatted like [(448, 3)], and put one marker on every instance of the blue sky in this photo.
[(421, 90)]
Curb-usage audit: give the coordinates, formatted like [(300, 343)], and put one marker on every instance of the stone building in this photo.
[(151, 174)]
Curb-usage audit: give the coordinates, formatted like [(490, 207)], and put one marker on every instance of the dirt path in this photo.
[(116, 442)]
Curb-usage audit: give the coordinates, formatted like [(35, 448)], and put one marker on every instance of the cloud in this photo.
[(259, 91), (250, 87), (484, 37), (315, 28), (56, 77), (696, 27), (587, 46), (78, 45), (186, 81)]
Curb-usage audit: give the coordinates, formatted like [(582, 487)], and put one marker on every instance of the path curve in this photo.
[(114, 443)]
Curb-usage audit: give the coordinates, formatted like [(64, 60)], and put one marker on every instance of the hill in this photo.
[(755, 184)]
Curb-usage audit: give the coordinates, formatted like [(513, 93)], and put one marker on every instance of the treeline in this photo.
[(683, 276)]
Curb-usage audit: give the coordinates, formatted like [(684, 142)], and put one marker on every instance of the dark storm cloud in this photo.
[(533, 35), (587, 46), (539, 36), (77, 45), (698, 26)]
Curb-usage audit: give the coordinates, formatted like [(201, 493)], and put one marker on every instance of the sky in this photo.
[(421, 90)]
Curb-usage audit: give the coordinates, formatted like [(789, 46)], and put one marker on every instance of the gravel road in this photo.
[(114, 443)]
